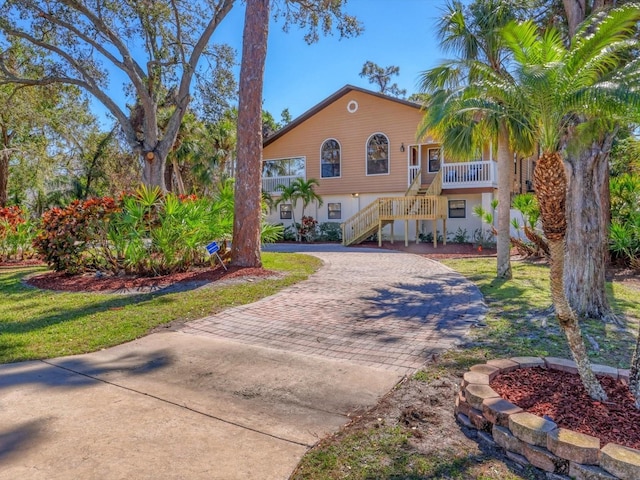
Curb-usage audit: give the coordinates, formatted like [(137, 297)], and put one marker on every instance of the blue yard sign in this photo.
[(213, 247)]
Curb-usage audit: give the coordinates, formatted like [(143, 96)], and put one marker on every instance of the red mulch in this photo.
[(562, 397), (91, 283)]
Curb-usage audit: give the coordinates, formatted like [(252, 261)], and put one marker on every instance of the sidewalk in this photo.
[(242, 394)]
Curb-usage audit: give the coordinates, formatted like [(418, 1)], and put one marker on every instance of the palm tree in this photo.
[(289, 194), (473, 35), (306, 192), (548, 86)]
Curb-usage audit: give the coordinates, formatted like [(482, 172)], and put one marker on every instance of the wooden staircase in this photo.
[(416, 204)]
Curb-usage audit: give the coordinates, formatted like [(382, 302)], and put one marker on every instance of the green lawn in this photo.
[(39, 324), (521, 321)]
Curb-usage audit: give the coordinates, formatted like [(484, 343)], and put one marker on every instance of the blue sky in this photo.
[(297, 75)]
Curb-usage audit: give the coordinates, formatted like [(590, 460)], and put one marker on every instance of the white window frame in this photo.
[(321, 147), (366, 155), (439, 149)]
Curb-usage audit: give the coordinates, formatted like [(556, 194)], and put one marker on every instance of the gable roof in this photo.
[(329, 100)]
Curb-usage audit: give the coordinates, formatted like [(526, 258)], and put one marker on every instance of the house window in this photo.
[(284, 167), (378, 155), (335, 211), (457, 208), (330, 159), (434, 160), (286, 211)]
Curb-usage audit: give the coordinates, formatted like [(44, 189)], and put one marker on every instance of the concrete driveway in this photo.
[(242, 394)]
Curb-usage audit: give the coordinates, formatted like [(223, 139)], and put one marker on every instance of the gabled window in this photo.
[(378, 154), (330, 157)]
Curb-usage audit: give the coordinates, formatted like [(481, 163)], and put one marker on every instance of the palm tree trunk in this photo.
[(569, 323), (245, 249), (551, 189), (505, 182)]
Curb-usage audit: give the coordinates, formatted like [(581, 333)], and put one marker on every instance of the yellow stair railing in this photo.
[(436, 185), (386, 210)]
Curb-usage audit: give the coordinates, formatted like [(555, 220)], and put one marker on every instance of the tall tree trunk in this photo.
[(505, 182), (576, 11), (4, 177), (587, 230), (550, 183), (245, 249), (153, 167)]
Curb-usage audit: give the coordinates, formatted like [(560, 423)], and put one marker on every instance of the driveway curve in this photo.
[(242, 394), (379, 308)]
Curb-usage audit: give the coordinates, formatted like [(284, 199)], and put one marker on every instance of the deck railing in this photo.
[(469, 174), (270, 184), (419, 207)]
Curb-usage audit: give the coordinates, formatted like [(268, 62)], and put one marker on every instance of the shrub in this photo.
[(16, 234), (624, 234), (308, 228), (68, 233), (330, 232)]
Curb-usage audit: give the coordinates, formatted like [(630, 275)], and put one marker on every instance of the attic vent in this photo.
[(352, 106)]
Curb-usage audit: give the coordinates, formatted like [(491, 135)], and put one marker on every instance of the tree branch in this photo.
[(134, 71)]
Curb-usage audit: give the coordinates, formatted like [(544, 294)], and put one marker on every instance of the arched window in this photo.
[(330, 159), (378, 154)]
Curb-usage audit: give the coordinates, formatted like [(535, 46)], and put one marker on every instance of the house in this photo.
[(361, 147)]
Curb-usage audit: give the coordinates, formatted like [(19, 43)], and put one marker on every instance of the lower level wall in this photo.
[(470, 226)]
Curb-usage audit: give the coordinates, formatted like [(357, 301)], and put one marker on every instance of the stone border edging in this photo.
[(530, 439)]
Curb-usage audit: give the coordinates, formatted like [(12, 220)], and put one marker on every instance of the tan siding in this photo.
[(374, 115)]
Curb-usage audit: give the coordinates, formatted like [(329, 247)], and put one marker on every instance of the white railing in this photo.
[(270, 184), (414, 172), (469, 174)]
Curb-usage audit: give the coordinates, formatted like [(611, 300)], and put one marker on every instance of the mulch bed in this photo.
[(92, 283), (562, 397)]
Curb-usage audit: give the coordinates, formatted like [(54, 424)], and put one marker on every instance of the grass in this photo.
[(521, 320), (519, 323), (38, 324)]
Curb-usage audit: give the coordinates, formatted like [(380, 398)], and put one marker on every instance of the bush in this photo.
[(330, 232), (624, 235), (145, 233), (308, 228), (16, 234), (68, 233)]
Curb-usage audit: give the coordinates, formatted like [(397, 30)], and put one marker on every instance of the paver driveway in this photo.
[(375, 307), (238, 395)]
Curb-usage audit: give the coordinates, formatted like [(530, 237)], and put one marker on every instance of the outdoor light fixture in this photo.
[(355, 195), (402, 147)]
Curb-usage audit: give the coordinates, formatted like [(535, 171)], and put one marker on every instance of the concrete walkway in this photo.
[(242, 394)]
